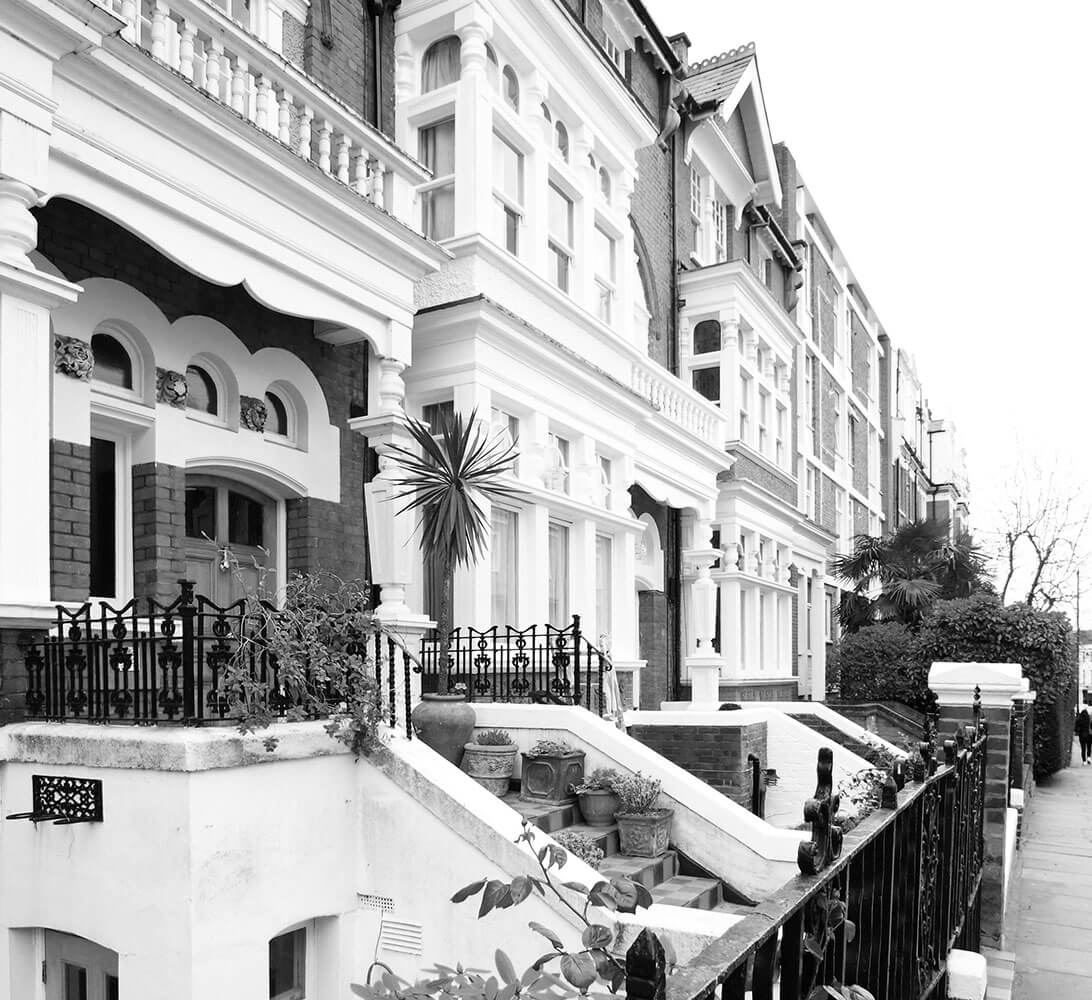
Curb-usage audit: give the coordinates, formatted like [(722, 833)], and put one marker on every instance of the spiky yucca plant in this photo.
[(458, 465)]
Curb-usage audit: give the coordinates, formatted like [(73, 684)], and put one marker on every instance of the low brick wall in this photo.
[(716, 754)]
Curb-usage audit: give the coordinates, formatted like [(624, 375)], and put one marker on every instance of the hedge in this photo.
[(890, 661)]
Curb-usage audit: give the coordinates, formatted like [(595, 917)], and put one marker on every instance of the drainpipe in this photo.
[(376, 8)]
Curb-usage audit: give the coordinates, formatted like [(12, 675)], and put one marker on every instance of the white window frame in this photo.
[(745, 386), (604, 587), (606, 285), (310, 973), (560, 450), (556, 248), (122, 438), (510, 616), (439, 182), (509, 207)]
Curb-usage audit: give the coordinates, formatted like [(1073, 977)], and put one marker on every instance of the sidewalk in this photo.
[(1050, 924)]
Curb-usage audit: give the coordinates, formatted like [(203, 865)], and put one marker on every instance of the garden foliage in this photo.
[(880, 663)]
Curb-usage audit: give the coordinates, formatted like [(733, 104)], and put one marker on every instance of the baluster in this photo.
[(360, 175), (159, 31), (185, 49), (325, 129), (378, 195), (261, 103), (214, 54), (239, 88), (303, 147), (344, 144), (129, 16), (284, 118)]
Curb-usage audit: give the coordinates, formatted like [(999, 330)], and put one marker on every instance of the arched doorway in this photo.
[(232, 539), (78, 969)]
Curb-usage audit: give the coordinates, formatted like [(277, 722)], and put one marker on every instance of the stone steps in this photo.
[(875, 757)]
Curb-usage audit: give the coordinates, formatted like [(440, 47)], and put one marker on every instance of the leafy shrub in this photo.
[(879, 663), (550, 748), (1042, 642), (582, 846), (602, 779), (494, 738), (637, 795)]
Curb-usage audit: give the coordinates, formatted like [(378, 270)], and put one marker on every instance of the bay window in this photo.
[(560, 240), (604, 259), (437, 152), (508, 192)]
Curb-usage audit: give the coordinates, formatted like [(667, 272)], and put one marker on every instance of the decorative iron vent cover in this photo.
[(64, 800), (403, 936)]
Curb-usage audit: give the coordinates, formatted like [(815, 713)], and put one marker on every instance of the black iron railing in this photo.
[(540, 663), (907, 879), (150, 662)]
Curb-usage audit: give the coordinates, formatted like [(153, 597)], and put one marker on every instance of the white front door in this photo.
[(230, 539), (78, 969)]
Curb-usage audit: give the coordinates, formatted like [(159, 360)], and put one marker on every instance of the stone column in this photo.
[(997, 684), (818, 678), (473, 124), (703, 662)]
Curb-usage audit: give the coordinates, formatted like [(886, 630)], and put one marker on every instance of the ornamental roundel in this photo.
[(72, 357), (252, 413), (171, 387)]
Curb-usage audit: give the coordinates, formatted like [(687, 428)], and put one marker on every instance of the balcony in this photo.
[(685, 408)]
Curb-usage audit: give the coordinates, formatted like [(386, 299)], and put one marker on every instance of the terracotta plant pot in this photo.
[(598, 806), (444, 722), (550, 778), (644, 835), (490, 766)]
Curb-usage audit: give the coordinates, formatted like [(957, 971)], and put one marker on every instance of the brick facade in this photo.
[(828, 423), (83, 244), (860, 368), (774, 481), (69, 520), (859, 457), (13, 682), (716, 754)]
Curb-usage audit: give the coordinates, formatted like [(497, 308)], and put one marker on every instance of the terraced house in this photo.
[(239, 243)]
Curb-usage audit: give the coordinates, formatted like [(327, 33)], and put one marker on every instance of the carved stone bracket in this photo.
[(171, 388), (73, 357), (822, 812), (252, 413)]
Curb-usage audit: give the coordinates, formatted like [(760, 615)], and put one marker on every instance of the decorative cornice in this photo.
[(171, 388), (72, 357), (732, 55), (252, 413)]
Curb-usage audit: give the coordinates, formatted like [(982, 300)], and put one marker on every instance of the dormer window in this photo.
[(442, 64), (113, 365)]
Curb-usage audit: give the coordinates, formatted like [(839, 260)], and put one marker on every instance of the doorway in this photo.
[(78, 969), (231, 539)]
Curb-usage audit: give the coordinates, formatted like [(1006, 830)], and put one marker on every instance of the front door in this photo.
[(78, 969), (230, 539)]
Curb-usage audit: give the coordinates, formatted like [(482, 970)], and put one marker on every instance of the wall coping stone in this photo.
[(998, 683)]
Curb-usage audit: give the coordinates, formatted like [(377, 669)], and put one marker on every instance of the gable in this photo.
[(736, 134)]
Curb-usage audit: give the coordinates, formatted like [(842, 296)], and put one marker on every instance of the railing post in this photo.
[(187, 611), (646, 968), (576, 661)]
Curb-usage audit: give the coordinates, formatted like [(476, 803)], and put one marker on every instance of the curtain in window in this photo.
[(442, 64), (559, 575)]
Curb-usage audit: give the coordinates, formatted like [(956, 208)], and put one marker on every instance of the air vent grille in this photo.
[(402, 936), (370, 901)]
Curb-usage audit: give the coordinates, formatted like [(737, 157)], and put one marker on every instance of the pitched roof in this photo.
[(714, 79)]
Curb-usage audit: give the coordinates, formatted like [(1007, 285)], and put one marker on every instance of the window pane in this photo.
[(112, 363), (103, 518), (561, 217), (604, 255), (437, 147), (75, 982), (707, 337), (287, 964), (277, 420), (111, 987), (559, 575), (559, 267), (201, 392), (603, 579), (561, 140), (201, 512), (437, 414), (438, 213), (245, 519), (707, 382), (441, 64), (503, 556), (507, 170), (511, 87)]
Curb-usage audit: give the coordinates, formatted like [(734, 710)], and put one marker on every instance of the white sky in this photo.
[(947, 144)]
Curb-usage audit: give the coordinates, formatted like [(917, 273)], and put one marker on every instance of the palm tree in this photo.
[(912, 568), (456, 469)]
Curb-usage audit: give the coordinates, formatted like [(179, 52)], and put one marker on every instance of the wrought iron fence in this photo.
[(540, 663), (150, 662), (881, 911)]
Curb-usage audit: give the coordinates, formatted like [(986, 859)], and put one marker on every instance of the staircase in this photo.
[(875, 757), (659, 875)]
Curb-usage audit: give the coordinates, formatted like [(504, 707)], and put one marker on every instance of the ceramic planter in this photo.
[(644, 835), (549, 778), (598, 806), (444, 722), (490, 766)]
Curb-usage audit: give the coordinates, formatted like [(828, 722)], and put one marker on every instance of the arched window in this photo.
[(112, 362), (707, 337), (511, 87), (201, 394), (604, 183), (561, 140), (492, 67), (442, 63), (277, 415)]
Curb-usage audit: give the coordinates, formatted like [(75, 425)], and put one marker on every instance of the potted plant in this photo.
[(491, 759), (550, 771), (643, 825), (582, 846), (458, 466), (595, 793)]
